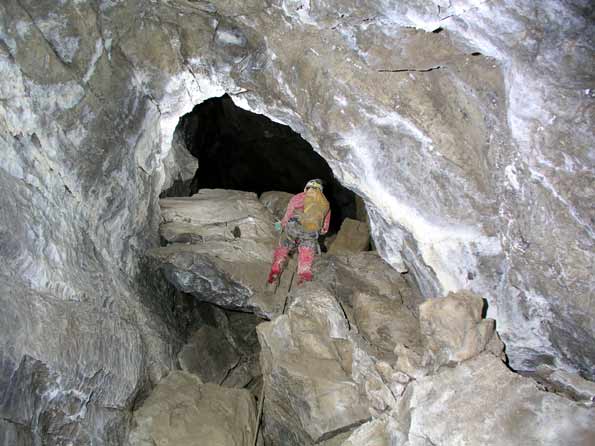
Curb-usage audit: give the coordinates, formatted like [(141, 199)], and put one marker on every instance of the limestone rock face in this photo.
[(569, 384), (373, 433), (181, 411), (214, 214), (488, 404)]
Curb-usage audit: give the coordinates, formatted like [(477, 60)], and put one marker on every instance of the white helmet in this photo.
[(316, 184)]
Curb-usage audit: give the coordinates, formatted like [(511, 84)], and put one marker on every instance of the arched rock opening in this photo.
[(240, 150)]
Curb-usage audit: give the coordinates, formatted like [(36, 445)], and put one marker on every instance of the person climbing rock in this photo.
[(307, 217)]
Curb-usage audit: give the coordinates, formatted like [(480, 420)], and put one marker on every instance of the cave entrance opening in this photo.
[(240, 150)]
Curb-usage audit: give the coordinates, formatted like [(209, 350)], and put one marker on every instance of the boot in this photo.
[(279, 256), (305, 259)]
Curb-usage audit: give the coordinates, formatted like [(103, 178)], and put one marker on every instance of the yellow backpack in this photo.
[(315, 209)]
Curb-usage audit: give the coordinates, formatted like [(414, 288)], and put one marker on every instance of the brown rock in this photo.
[(354, 236), (182, 411)]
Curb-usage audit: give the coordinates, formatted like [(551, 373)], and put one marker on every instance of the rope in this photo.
[(259, 416), (261, 400)]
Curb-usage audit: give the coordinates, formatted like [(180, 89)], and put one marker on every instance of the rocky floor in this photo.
[(354, 357)]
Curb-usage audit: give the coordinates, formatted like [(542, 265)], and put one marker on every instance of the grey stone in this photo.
[(385, 321), (453, 327), (368, 272), (372, 433), (452, 330), (221, 250), (276, 202), (476, 169), (488, 404), (208, 355), (179, 167), (354, 236), (215, 214), (181, 411), (319, 378), (231, 274), (81, 381), (568, 383)]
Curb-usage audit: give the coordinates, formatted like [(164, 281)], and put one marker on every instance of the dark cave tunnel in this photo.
[(241, 150)]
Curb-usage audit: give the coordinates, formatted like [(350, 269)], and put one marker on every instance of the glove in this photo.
[(278, 227)]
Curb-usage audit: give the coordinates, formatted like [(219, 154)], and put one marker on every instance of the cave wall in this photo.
[(465, 128), (477, 170)]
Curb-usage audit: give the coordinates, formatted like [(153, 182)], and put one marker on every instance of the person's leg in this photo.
[(287, 244), (279, 258), (305, 259)]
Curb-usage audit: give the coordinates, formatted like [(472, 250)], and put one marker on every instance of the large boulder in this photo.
[(354, 236), (319, 378), (220, 250), (385, 321), (182, 410), (377, 300), (481, 402), (452, 330)]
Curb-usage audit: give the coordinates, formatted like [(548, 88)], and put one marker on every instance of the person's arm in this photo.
[(327, 222), (290, 209)]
